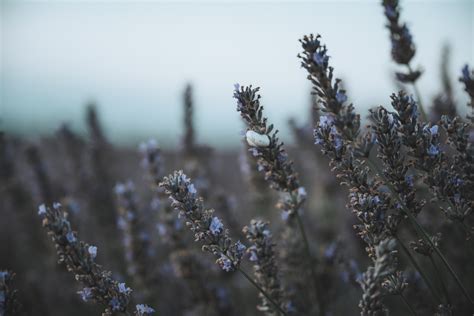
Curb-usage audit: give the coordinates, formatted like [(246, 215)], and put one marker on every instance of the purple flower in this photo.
[(123, 288), (216, 226), (457, 181), (42, 210), (143, 309), (338, 143), (434, 130), (253, 254), (320, 58), (318, 140), (240, 249), (70, 237), (376, 199), (56, 205), (225, 263), (85, 294), (433, 150), (254, 152), (115, 304), (326, 120), (409, 180), (191, 189), (92, 250), (341, 97)]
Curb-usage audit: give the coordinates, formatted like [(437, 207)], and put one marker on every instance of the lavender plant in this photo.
[(278, 169), (80, 259), (207, 228)]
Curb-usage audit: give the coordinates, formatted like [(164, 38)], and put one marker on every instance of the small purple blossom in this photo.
[(254, 152), (253, 254), (326, 120), (302, 193), (123, 288), (240, 247), (433, 150), (376, 200), (434, 130), (225, 263), (337, 142), (143, 309), (70, 237), (409, 180), (341, 97), (216, 226), (191, 189), (86, 294), (318, 140), (92, 250), (320, 58), (115, 304), (42, 209)]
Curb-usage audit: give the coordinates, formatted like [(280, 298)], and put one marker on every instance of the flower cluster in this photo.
[(207, 228), (331, 97), (79, 258), (396, 169), (403, 48), (447, 181), (265, 146), (262, 254)]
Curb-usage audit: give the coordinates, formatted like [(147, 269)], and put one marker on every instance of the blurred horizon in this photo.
[(134, 59)]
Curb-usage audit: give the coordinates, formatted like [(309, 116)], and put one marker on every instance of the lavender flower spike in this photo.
[(79, 257), (207, 228)]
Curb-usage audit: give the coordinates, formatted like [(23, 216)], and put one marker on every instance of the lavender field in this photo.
[(361, 212)]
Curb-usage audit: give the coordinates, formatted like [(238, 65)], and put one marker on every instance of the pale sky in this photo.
[(134, 58)]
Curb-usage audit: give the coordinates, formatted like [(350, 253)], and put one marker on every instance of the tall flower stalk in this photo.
[(80, 259), (403, 48), (273, 161)]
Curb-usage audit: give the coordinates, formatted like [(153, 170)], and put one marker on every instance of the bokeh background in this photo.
[(133, 58)]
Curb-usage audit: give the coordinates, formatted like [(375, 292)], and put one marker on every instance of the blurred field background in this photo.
[(134, 58)]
